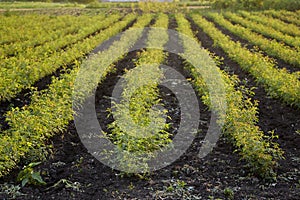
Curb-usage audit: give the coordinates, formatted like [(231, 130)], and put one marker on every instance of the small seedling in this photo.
[(131, 186), (170, 188), (180, 184), (229, 193), (28, 175)]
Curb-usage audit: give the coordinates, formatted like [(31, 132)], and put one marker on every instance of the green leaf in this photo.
[(34, 164), (24, 181), (36, 176)]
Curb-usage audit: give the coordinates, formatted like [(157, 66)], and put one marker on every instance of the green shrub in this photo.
[(256, 4)]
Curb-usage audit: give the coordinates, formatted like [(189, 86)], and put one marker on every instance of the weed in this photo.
[(28, 175), (228, 192), (131, 186), (11, 191), (68, 184)]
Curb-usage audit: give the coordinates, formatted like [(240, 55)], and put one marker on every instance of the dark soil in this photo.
[(218, 175)]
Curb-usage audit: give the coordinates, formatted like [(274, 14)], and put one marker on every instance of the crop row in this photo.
[(277, 24), (283, 15), (68, 29), (138, 129), (263, 29), (33, 54), (20, 76), (271, 47), (240, 118), (17, 21), (90, 81), (19, 28), (289, 13), (51, 110), (277, 82)]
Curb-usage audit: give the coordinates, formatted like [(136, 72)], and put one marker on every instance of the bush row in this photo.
[(289, 17), (139, 129), (239, 120), (277, 82), (51, 110), (256, 4), (286, 28), (40, 40), (21, 73), (271, 47), (264, 30)]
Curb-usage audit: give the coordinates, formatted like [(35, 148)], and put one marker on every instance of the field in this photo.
[(198, 103)]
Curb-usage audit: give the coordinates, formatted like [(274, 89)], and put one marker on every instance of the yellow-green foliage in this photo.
[(37, 37), (51, 110), (283, 15), (279, 83), (21, 72), (264, 30), (152, 6), (269, 21), (241, 116), (272, 47), (138, 128)]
